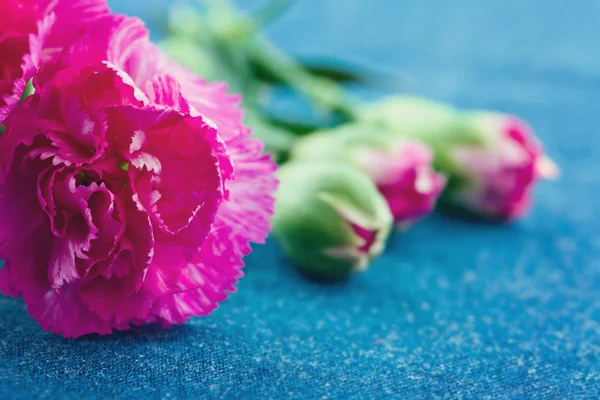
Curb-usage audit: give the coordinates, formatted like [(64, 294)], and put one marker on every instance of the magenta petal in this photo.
[(65, 314), (502, 174), (251, 202), (368, 236), (105, 39), (144, 185), (70, 20), (62, 268), (72, 17), (87, 144), (117, 295), (250, 205), (213, 101), (36, 33), (23, 132), (26, 52), (45, 181), (79, 233), (105, 218), (91, 233), (137, 241), (405, 177), (165, 90), (25, 237), (109, 299), (190, 176), (208, 280), (241, 219), (99, 86), (24, 273), (73, 136)]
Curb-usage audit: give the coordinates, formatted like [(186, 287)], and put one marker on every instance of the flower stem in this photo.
[(323, 92)]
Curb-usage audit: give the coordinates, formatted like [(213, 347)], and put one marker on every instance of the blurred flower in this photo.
[(499, 177), (436, 124), (401, 168), (405, 176), (329, 219), (491, 160), (35, 31), (136, 182)]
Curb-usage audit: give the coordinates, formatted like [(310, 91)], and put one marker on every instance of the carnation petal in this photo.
[(110, 300), (190, 170), (62, 268), (36, 34), (166, 91), (25, 237), (138, 238), (22, 55), (208, 280), (145, 185), (65, 314)]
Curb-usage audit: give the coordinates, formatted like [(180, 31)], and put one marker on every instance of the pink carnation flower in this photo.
[(129, 188), (35, 31), (405, 177), (502, 174)]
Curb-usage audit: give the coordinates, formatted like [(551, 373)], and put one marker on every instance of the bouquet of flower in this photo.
[(131, 184), (356, 170)]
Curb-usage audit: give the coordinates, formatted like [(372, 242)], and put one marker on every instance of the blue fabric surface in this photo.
[(452, 309)]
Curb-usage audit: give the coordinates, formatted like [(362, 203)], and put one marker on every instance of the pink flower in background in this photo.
[(36, 31), (405, 177), (134, 189), (501, 175)]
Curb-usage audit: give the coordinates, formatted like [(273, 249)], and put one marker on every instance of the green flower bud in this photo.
[(401, 168), (433, 123), (329, 218), (441, 127)]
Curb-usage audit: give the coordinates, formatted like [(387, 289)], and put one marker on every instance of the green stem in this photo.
[(324, 92), (238, 46), (243, 33)]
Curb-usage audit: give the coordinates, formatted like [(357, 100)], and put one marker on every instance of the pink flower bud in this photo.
[(402, 169), (500, 175), (405, 177)]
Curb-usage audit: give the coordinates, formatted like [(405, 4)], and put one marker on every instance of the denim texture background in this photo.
[(453, 309)]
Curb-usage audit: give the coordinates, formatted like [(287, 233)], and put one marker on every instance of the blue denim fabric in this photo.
[(453, 309)]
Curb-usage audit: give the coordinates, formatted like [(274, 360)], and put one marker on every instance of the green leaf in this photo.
[(28, 91), (332, 70), (298, 128), (337, 71)]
